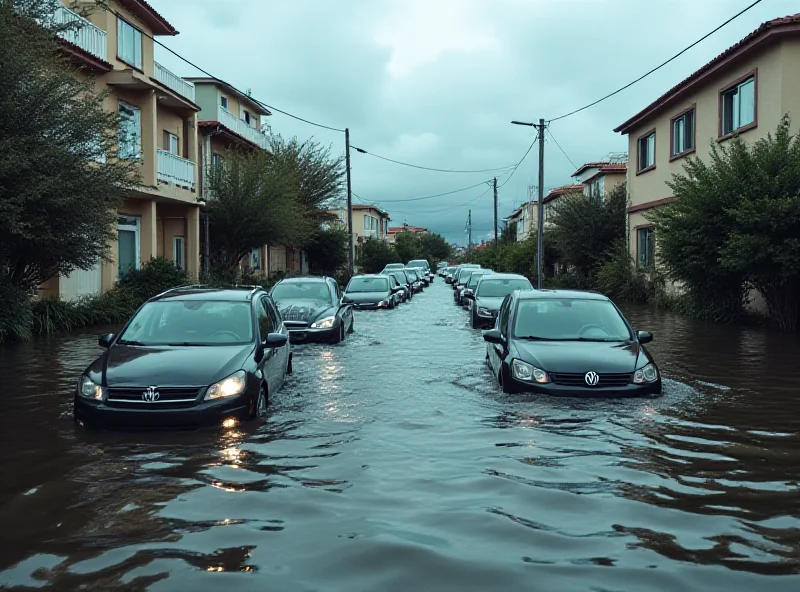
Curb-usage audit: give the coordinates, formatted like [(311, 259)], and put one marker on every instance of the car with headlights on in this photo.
[(372, 291), (404, 281), (488, 294), (312, 309), (189, 357), (571, 343)]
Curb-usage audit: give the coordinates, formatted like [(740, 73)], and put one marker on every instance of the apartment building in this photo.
[(393, 231), (368, 222), (600, 178), (744, 91), (554, 196), (158, 129), (524, 218)]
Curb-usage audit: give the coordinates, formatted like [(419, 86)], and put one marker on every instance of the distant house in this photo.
[(602, 177), (395, 230), (553, 197)]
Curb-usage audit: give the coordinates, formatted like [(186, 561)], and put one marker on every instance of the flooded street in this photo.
[(393, 462)]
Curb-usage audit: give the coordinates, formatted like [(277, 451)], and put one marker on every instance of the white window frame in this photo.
[(647, 141), (683, 139), (129, 44), (126, 150), (136, 227), (173, 144), (179, 247), (733, 100), (223, 102), (648, 251)]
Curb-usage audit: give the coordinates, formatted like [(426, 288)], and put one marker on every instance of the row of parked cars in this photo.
[(201, 355), (559, 342)]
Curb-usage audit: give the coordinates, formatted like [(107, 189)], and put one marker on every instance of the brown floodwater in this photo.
[(392, 462)]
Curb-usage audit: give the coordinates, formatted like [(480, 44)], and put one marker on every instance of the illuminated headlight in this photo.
[(228, 387), (646, 374), (383, 304), (484, 312), (89, 389), (524, 371), (325, 323)]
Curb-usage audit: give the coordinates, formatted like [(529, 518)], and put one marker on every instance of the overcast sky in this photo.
[(437, 82)]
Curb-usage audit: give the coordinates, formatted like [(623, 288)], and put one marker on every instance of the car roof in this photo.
[(303, 279), (236, 294), (506, 276), (573, 294), (368, 275)]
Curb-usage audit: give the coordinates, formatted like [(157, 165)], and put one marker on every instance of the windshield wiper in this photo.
[(534, 338), (129, 342), (187, 344), (596, 339)]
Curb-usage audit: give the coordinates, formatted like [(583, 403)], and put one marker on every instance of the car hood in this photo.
[(305, 310), (366, 297), (580, 356), (489, 303), (169, 366)]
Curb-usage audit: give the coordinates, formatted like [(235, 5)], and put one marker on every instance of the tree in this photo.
[(254, 204), (60, 178), (407, 246), (434, 247), (327, 251), (374, 255), (735, 224), (585, 228), (318, 180)]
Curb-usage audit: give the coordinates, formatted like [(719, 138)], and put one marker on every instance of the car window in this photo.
[(368, 284), (490, 288), (334, 288), (190, 322), (266, 321), (274, 314), (311, 290), (569, 319), (474, 279), (502, 320)]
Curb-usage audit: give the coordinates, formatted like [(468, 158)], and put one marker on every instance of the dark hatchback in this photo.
[(371, 292), (402, 279), (570, 343), (488, 294), (188, 357), (312, 309)]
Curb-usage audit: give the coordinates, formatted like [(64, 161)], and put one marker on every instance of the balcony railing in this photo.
[(87, 36), (176, 83), (235, 124), (175, 170)]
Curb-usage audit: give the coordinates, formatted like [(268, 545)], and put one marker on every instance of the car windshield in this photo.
[(501, 288), (412, 274), (400, 277), (418, 263), (465, 273), (317, 291), (570, 319), (368, 284), (473, 279), (394, 266), (190, 322)]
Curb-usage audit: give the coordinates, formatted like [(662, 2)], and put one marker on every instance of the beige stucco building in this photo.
[(393, 231), (745, 90), (158, 129), (600, 178)]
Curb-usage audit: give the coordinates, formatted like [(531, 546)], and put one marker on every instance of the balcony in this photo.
[(241, 128), (176, 83), (88, 37), (175, 170)]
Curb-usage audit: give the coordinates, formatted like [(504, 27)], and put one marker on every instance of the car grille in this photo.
[(606, 380), (170, 398), (295, 313), (295, 325)]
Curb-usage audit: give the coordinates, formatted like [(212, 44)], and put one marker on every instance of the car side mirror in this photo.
[(493, 336), (275, 340), (644, 337), (469, 295), (106, 340)]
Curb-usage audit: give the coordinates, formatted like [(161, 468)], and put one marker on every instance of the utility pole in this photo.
[(469, 231), (540, 209), (495, 210), (540, 127), (350, 252)]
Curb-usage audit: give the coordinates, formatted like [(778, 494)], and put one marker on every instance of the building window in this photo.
[(683, 133), (738, 104), (370, 226), (129, 43), (645, 246), (255, 259), (178, 252), (223, 101), (128, 244), (130, 132), (171, 143), (647, 151), (217, 159)]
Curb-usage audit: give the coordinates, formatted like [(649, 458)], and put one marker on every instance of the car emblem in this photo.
[(592, 378), (151, 395)]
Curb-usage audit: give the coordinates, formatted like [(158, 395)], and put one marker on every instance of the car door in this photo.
[(343, 311), (497, 351), (281, 358), (266, 325)]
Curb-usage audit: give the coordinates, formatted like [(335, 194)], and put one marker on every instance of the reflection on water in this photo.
[(392, 462)]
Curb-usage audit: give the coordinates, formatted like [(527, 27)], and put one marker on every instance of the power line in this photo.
[(432, 196), (643, 76), (450, 209), (524, 156), (560, 148), (262, 103), (424, 168)]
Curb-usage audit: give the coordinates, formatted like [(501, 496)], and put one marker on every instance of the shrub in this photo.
[(619, 279), (16, 316), (152, 278)]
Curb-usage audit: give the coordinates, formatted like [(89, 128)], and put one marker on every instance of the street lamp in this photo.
[(540, 206)]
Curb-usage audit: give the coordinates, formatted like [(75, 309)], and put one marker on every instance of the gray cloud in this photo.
[(436, 82)]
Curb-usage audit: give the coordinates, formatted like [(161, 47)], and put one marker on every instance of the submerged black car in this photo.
[(571, 343), (488, 293), (312, 309), (370, 292), (188, 357), (403, 281)]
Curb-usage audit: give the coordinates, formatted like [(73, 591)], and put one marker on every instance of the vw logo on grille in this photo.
[(592, 378), (151, 395)]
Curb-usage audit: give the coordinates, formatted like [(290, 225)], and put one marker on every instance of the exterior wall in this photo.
[(612, 181), (208, 97)]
